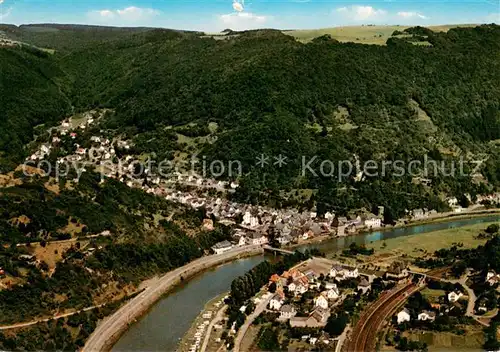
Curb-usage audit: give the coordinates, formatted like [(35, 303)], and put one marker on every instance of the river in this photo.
[(168, 320)]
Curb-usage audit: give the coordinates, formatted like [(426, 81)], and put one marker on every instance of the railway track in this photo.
[(365, 332), (364, 335)]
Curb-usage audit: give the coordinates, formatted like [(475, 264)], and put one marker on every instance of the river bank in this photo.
[(110, 329), (337, 243), (200, 326), (438, 218)]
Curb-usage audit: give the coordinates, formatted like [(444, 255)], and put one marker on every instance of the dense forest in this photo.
[(142, 243), (270, 94), (266, 94)]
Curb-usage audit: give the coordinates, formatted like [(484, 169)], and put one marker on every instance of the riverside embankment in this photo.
[(165, 324), (111, 328)]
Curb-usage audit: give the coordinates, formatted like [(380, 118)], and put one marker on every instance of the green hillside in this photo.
[(272, 94), (368, 34), (30, 94)]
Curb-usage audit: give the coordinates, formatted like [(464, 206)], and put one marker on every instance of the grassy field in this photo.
[(417, 245), (439, 341), (432, 295), (360, 34)]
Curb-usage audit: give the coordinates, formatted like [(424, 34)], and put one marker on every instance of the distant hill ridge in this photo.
[(271, 94)]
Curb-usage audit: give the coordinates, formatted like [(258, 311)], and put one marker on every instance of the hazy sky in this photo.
[(213, 15)]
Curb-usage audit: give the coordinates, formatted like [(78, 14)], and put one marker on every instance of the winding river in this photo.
[(167, 321)]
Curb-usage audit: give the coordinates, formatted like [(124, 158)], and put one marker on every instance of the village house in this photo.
[(321, 301), (285, 239), (301, 286), (287, 312), (275, 278), (436, 306), (492, 278), (242, 241), (418, 214), (277, 301), (311, 275), (208, 225), (454, 296), (342, 272), (250, 220), (332, 293), (222, 247), (427, 316), (364, 285), (338, 225), (397, 271), (256, 238), (318, 318), (373, 222), (403, 316)]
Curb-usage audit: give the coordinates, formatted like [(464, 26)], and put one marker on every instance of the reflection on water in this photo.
[(170, 319)]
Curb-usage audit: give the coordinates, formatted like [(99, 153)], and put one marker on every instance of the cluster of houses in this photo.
[(67, 128), (425, 315), (428, 315), (287, 225), (326, 294)]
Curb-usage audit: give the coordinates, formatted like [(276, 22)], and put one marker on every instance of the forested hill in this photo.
[(30, 95), (271, 94)]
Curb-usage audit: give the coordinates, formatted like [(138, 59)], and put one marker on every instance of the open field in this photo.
[(439, 341), (361, 34), (417, 245), (432, 295)]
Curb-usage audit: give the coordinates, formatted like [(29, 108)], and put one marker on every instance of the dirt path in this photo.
[(218, 318), (55, 317), (249, 320)]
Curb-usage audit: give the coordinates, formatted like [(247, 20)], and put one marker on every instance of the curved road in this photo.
[(110, 329)]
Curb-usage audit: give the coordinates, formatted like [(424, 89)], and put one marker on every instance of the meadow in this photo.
[(360, 34)]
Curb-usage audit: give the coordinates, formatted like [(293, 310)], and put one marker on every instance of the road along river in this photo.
[(166, 322)]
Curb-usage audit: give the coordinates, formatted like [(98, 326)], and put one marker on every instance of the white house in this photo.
[(426, 315), (492, 278), (277, 301), (452, 201), (344, 272), (373, 222), (222, 247), (403, 316), (250, 220), (364, 285), (285, 239), (242, 241), (454, 296), (257, 239), (287, 312), (321, 301), (332, 293), (300, 288)]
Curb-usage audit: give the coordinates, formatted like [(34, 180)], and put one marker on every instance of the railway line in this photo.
[(364, 334), (363, 337)]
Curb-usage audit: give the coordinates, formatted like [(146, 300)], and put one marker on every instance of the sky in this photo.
[(216, 15)]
